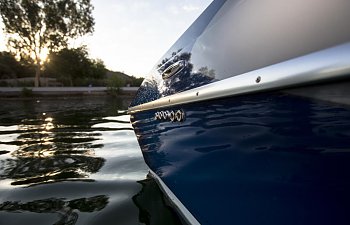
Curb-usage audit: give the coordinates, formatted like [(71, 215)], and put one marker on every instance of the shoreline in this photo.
[(63, 97), (64, 92)]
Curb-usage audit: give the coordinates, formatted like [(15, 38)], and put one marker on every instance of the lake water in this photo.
[(74, 161)]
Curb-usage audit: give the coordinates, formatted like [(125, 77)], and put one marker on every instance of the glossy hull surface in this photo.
[(271, 158), (261, 90)]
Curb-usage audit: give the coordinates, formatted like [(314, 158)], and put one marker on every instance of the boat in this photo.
[(246, 118)]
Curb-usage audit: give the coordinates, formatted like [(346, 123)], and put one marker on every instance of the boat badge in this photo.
[(170, 115)]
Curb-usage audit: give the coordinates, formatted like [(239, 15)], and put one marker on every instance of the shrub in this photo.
[(114, 83), (26, 92)]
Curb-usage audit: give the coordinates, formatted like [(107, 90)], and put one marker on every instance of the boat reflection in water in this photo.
[(154, 208)]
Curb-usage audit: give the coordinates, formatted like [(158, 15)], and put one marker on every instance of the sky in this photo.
[(132, 35)]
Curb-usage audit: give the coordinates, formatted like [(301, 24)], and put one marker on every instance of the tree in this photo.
[(114, 83), (36, 26), (11, 68), (136, 82), (98, 69), (8, 65), (68, 65), (73, 65)]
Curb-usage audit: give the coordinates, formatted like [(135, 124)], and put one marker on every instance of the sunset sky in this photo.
[(131, 35)]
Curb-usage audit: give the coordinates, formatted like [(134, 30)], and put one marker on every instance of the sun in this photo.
[(43, 54)]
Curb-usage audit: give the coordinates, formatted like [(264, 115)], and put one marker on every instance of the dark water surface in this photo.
[(74, 161)]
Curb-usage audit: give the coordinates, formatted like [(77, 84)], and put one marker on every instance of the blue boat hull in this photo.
[(246, 118), (268, 158)]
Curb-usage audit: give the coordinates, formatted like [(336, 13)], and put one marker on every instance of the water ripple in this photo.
[(70, 161)]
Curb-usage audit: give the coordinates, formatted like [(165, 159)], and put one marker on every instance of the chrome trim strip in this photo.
[(318, 66), (186, 215)]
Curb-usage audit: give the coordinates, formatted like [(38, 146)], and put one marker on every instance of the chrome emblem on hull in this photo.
[(170, 115)]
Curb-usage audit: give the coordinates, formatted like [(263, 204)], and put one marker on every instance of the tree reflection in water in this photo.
[(50, 152), (65, 209), (42, 155), (188, 76)]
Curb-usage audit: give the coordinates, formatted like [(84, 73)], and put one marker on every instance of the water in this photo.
[(74, 161)]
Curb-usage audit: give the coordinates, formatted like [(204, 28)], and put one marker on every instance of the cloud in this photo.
[(173, 9), (190, 8), (186, 8), (118, 7), (140, 5), (131, 36)]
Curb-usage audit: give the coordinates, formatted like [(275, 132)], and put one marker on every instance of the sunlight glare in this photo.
[(43, 55), (48, 119)]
